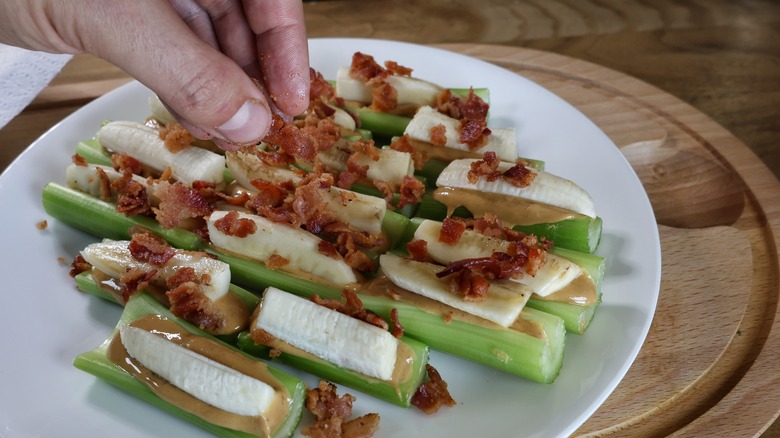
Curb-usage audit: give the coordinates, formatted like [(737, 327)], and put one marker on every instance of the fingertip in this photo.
[(247, 126)]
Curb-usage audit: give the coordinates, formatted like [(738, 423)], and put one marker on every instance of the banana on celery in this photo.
[(410, 91), (391, 166), (545, 187), (298, 247), (502, 141), (114, 258), (186, 372), (203, 378), (86, 179), (361, 212), (332, 336), (145, 145), (553, 275), (502, 305)]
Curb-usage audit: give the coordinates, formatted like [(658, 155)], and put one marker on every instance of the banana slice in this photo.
[(332, 336), (554, 274), (545, 188)]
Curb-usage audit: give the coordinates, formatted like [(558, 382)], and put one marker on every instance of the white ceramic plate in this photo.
[(45, 322)]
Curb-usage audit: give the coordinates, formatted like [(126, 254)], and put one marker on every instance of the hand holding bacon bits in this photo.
[(331, 413)]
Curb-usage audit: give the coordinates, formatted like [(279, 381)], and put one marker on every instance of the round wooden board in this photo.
[(711, 363)]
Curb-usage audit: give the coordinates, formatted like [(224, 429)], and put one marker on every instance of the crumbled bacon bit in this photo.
[(188, 302), (291, 139), (328, 249), (398, 69), (418, 250), (274, 353), (42, 225), (134, 280), (448, 318), (353, 164), (471, 113), (411, 191), (320, 87), (487, 167), (323, 131), (132, 198), (276, 261), (347, 178), (179, 203), (260, 336), (105, 184), (518, 175), (145, 248), (364, 67), (433, 394), (126, 163), (367, 148), (404, 144), (331, 411), (233, 225), (384, 97), (451, 230), (185, 274), (353, 256), (78, 266), (439, 135), (176, 138), (473, 287), (398, 329), (275, 158), (78, 160)]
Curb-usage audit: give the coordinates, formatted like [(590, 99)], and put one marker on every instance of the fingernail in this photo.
[(247, 126)]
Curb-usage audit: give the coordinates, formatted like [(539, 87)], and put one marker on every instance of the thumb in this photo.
[(206, 90)]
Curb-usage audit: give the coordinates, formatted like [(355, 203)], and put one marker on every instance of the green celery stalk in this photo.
[(101, 219), (400, 395), (508, 350), (580, 234), (525, 356), (96, 363), (576, 318), (91, 151)]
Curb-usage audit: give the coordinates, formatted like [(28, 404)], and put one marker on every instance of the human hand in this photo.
[(204, 58)]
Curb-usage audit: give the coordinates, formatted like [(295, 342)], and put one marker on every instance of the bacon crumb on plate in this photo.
[(433, 394), (42, 225), (331, 413)]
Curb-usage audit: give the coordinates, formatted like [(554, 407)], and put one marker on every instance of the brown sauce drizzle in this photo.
[(581, 292), (512, 210), (262, 425), (381, 285)]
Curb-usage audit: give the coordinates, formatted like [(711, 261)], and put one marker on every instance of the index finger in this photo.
[(283, 52)]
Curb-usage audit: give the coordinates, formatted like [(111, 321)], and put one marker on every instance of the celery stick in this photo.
[(381, 124), (483, 93), (580, 234), (86, 283), (100, 218), (91, 151), (400, 395), (96, 363), (576, 318), (394, 224), (508, 350)]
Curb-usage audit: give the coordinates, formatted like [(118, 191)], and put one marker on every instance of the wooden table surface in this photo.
[(722, 57)]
